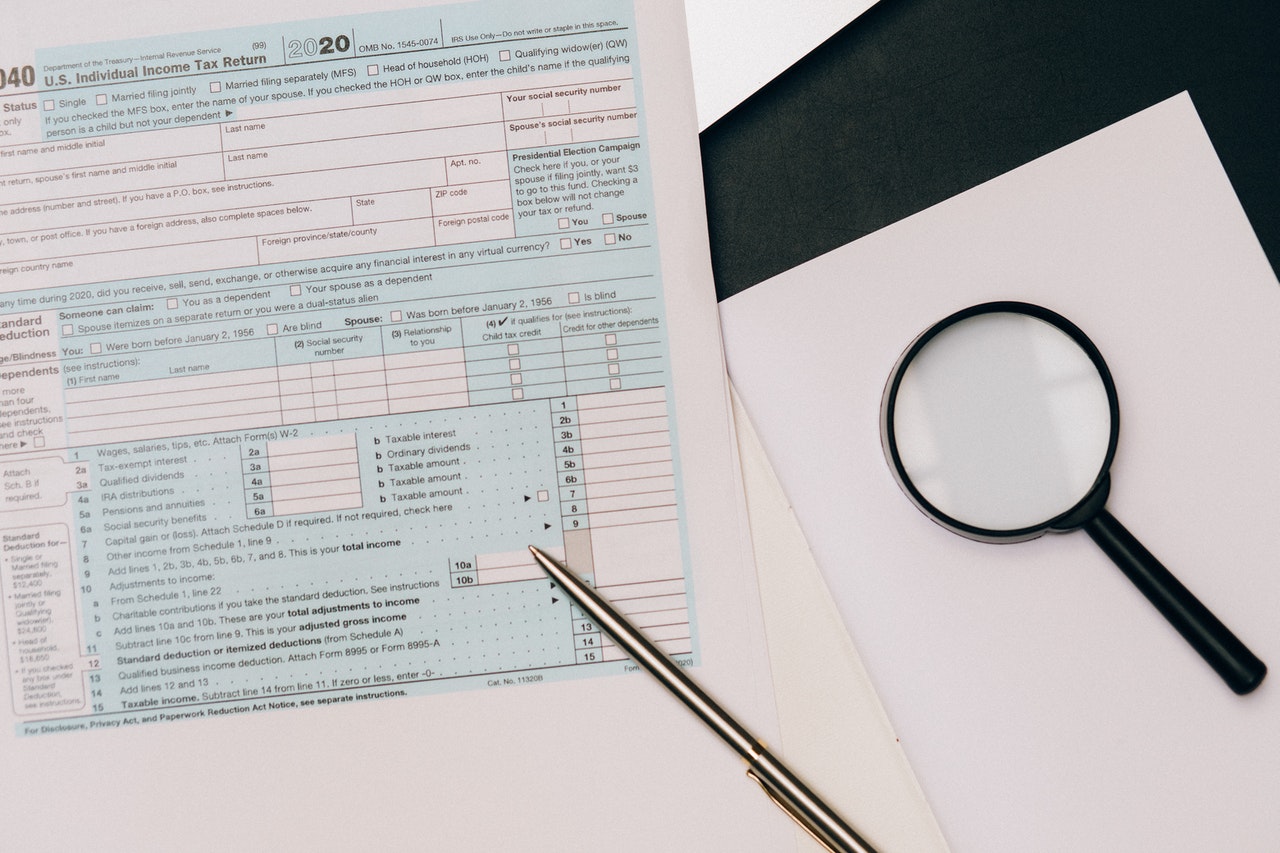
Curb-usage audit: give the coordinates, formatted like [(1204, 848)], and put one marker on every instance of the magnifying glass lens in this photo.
[(1002, 422)]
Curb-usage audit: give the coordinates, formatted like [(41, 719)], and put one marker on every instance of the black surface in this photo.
[(918, 100)]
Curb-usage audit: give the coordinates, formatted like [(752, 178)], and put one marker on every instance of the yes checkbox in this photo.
[(566, 243)]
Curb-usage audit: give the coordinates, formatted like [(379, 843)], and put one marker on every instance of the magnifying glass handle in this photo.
[(1230, 658)]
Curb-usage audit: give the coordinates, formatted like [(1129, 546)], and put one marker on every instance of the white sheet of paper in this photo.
[(835, 734), (738, 47), (611, 761), (1043, 703)]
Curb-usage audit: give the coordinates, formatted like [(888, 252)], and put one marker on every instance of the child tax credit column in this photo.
[(305, 332)]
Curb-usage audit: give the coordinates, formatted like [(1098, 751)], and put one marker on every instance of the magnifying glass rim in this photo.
[(889, 404)]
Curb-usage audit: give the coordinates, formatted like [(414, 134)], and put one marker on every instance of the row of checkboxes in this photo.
[(396, 317)]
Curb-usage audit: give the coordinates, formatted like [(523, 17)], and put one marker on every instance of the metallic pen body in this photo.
[(782, 786)]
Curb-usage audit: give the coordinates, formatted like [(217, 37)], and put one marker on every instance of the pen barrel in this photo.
[(782, 786), (805, 807)]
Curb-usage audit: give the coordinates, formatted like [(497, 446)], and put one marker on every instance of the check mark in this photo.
[(503, 320)]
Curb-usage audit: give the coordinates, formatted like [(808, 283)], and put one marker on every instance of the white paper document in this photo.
[(1043, 702), (310, 322), (738, 47)]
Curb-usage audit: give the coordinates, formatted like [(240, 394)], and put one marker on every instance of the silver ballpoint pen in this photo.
[(783, 787)]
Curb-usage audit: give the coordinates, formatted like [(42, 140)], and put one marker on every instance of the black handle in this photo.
[(1229, 657)]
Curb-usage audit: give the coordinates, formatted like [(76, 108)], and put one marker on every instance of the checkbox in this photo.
[(37, 441), (516, 379), (610, 239), (171, 302), (215, 87), (607, 219), (102, 99), (513, 349), (396, 316), (68, 329), (562, 222), (615, 384), (95, 348), (544, 495), (614, 369), (611, 354), (295, 290), (610, 340), (566, 243), (513, 364), (48, 105), (374, 70), (272, 328), (504, 56), (573, 298), (517, 393)]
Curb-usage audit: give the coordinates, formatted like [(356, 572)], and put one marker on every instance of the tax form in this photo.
[(307, 329)]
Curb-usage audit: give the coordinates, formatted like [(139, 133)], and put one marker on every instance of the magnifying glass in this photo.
[(1000, 423)]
